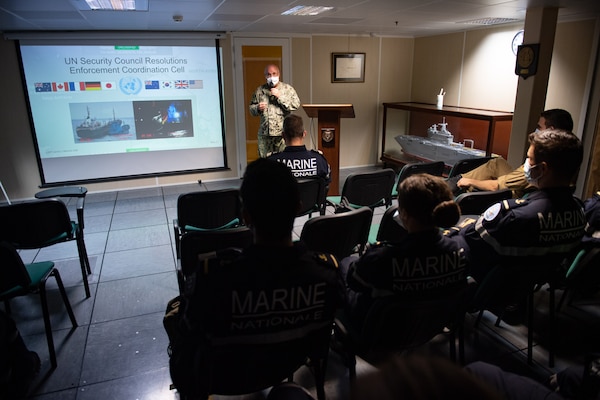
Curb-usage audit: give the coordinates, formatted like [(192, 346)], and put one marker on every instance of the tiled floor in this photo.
[(118, 351)]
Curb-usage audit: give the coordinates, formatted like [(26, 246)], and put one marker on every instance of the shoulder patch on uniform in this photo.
[(326, 258), (492, 212)]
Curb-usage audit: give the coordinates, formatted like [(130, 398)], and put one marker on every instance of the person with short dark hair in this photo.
[(398, 268), (275, 291), (303, 163), (548, 222), (497, 174)]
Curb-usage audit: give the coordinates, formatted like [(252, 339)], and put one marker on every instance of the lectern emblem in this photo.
[(327, 134)]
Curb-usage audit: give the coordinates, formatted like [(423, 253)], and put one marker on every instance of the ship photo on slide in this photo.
[(102, 121)]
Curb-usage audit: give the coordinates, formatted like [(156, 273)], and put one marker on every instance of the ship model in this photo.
[(439, 145), (92, 128)]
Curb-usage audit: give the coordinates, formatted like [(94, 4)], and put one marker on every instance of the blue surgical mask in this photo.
[(527, 170)]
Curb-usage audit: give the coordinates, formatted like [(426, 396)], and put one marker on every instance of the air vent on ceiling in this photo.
[(488, 21)]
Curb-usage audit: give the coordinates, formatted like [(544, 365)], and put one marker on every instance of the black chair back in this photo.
[(394, 324), (35, 224), (208, 210), (370, 189), (312, 196), (204, 242), (389, 228), (475, 203), (466, 165), (435, 168), (211, 210), (339, 234)]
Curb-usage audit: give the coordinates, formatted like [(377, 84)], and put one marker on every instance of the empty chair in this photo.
[(42, 223), (196, 243), (210, 210), (18, 279), (508, 285), (313, 192), (339, 234), (435, 168), (475, 203), (370, 189), (466, 165)]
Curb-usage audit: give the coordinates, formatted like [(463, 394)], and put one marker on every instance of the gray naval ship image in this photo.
[(438, 145)]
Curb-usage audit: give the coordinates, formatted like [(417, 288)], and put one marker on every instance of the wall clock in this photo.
[(517, 41)]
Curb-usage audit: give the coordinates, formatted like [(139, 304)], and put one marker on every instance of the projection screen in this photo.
[(108, 109)]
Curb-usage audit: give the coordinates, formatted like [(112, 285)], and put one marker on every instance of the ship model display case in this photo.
[(407, 133)]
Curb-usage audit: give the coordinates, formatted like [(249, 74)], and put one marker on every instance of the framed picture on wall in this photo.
[(347, 67)]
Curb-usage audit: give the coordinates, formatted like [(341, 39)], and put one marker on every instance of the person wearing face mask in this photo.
[(497, 174), (548, 222), (272, 102)]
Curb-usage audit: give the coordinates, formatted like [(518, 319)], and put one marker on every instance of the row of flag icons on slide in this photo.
[(85, 86)]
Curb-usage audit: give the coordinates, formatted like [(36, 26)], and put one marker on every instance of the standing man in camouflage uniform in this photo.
[(272, 101)]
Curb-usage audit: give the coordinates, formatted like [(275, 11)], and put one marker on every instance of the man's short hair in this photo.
[(269, 194), (560, 149), (293, 127), (557, 118)]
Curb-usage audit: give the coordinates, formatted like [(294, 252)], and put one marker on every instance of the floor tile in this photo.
[(136, 219), (137, 262), (124, 348), (153, 385), (139, 193), (144, 203), (136, 238), (134, 296)]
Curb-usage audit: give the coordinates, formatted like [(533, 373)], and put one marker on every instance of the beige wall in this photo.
[(476, 69)]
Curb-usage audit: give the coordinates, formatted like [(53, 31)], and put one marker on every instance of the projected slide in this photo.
[(95, 105)]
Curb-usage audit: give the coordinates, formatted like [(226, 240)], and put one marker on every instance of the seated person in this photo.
[(274, 290), (497, 174), (592, 214), (404, 267), (303, 163), (548, 222)]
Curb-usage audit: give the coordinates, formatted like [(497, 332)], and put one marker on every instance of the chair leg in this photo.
[(530, 328), (47, 325), (85, 265), (63, 294), (319, 367), (553, 327)]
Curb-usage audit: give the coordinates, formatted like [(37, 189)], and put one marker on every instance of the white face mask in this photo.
[(527, 170), (273, 80)]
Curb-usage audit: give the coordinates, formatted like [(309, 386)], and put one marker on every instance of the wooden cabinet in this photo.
[(481, 129)]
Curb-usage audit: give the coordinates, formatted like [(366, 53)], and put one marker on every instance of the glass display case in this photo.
[(423, 132)]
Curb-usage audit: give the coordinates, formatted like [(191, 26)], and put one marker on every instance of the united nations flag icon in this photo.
[(130, 85)]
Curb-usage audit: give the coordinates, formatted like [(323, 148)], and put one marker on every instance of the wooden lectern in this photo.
[(329, 135)]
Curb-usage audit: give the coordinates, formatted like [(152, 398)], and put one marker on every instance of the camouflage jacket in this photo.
[(271, 120)]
